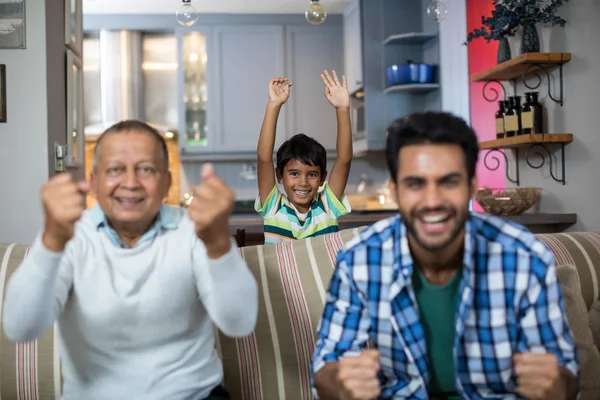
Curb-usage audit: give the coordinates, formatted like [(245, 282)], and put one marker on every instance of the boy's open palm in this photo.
[(336, 92), (279, 90)]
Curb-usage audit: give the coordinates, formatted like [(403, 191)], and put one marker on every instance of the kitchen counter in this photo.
[(538, 223)]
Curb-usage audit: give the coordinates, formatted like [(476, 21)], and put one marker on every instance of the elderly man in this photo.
[(134, 284), (458, 305)]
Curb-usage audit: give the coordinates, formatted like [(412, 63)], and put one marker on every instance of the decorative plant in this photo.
[(531, 12), (508, 15), (503, 22)]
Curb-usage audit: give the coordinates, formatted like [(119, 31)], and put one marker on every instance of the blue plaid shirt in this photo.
[(509, 302)]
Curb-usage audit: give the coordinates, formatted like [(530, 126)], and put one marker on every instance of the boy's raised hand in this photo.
[(279, 90), (336, 92)]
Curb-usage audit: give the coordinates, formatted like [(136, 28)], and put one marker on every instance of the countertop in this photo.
[(538, 223)]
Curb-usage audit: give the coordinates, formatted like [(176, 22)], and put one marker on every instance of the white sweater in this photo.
[(133, 323)]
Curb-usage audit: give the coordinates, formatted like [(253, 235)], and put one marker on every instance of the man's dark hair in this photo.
[(129, 126), (303, 148), (431, 128)]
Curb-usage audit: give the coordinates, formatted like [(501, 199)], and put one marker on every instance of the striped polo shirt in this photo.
[(283, 222)]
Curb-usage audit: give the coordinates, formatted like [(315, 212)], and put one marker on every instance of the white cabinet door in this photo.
[(353, 46), (310, 51), (248, 57)]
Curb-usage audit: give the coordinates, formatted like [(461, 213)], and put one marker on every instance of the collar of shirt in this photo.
[(405, 263), (167, 219)]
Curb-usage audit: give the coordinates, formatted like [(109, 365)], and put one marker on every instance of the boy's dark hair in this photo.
[(134, 125), (303, 148), (434, 128)]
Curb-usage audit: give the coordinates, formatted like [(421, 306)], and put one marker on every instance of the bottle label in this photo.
[(499, 125), (527, 119), (511, 122)]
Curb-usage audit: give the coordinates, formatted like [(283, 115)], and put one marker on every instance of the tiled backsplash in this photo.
[(373, 165)]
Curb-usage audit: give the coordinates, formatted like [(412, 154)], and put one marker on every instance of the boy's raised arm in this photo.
[(279, 92), (337, 95)]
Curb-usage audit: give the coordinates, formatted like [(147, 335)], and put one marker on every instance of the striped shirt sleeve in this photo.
[(270, 205), (334, 206)]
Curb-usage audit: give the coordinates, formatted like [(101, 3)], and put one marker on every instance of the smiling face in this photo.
[(130, 179), (301, 183), (433, 192)]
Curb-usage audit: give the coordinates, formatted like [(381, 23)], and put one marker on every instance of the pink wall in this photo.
[(482, 55)]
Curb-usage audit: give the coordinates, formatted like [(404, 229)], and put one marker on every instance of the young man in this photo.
[(135, 285), (302, 210), (457, 304)]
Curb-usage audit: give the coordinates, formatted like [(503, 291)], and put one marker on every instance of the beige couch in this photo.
[(273, 362)]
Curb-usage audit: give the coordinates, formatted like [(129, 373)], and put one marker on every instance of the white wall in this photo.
[(454, 60), (24, 138)]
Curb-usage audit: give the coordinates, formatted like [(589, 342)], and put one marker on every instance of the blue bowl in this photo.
[(405, 74)]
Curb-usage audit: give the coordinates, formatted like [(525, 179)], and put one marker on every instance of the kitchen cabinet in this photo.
[(310, 51), (241, 61), (353, 57), (391, 32)]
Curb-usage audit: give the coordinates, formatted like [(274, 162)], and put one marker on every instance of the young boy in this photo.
[(303, 211)]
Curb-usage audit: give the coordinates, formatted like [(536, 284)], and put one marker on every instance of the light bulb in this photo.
[(315, 13), (186, 14), (437, 10)]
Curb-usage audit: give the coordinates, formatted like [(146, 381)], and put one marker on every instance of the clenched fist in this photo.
[(357, 376), (209, 209), (539, 377), (63, 200)]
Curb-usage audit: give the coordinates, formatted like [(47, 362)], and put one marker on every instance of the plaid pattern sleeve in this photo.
[(543, 326), (344, 327)]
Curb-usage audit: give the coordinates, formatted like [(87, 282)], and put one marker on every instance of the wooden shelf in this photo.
[(409, 38), (514, 68), (544, 219), (413, 87), (524, 140)]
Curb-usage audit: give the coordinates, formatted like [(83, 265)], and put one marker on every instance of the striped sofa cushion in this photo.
[(583, 251), (273, 362), (28, 371)]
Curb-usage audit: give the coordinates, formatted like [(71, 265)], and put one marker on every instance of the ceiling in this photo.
[(208, 6)]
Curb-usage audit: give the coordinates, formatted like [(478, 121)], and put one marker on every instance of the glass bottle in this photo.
[(517, 109), (532, 114), (527, 115), (500, 130), (511, 118)]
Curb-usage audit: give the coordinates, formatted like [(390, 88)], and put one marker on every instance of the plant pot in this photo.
[(530, 41), (503, 50)]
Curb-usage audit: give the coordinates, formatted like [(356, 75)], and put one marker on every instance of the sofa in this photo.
[(273, 362)]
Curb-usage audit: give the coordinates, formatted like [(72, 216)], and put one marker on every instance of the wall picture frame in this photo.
[(2, 93), (12, 24), (75, 112), (74, 25)]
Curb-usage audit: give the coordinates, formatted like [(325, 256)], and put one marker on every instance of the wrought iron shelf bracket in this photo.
[(490, 157), (533, 157), (542, 160), (537, 73), (540, 72)]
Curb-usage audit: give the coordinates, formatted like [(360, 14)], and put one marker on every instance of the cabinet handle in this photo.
[(358, 82)]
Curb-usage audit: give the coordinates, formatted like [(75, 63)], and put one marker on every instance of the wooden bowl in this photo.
[(507, 202)]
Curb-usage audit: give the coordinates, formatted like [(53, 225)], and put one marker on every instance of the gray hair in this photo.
[(129, 126)]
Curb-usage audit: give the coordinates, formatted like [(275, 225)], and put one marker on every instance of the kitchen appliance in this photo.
[(409, 73), (116, 82)]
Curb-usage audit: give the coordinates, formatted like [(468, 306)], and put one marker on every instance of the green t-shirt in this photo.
[(437, 309)]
